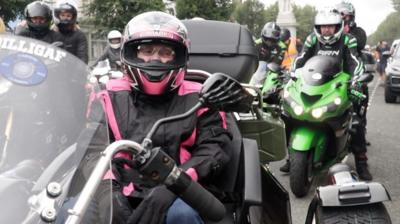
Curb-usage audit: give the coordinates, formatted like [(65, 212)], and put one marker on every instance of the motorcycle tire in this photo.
[(300, 172), (389, 95), (365, 214)]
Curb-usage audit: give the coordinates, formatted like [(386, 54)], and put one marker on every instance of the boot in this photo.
[(362, 168), (286, 167)]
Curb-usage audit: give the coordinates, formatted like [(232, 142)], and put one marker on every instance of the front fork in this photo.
[(305, 138)]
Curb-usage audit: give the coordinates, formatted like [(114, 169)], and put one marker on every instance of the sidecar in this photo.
[(251, 194)]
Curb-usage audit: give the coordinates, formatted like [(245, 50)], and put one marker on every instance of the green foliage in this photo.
[(106, 15), (207, 9), (388, 30), (252, 14), (305, 20), (12, 9), (396, 5)]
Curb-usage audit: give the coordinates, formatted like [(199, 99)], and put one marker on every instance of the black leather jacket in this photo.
[(48, 37), (202, 135), (113, 55), (75, 42), (345, 49)]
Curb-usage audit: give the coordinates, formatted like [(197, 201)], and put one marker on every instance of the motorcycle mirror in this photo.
[(273, 67), (224, 93), (366, 77)]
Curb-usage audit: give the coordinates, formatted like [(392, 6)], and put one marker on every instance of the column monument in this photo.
[(286, 17)]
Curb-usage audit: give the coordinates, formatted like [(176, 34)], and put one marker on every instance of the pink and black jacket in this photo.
[(195, 143)]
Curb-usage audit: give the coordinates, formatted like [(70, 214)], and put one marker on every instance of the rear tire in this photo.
[(300, 172), (389, 96), (361, 214)]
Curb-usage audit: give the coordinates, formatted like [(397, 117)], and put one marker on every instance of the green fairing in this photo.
[(329, 91), (271, 82), (305, 138)]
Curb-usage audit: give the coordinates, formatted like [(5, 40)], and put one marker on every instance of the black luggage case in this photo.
[(225, 47)]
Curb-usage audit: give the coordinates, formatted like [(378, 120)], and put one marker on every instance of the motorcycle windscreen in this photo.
[(320, 69), (49, 122)]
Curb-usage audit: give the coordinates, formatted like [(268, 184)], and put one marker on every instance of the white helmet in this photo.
[(114, 39), (328, 16)]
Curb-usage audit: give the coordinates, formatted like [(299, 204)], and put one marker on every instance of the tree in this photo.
[(388, 30), (252, 14), (207, 9), (118, 12), (305, 20), (12, 9), (396, 5)]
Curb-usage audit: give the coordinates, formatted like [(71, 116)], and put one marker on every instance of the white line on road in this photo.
[(373, 92)]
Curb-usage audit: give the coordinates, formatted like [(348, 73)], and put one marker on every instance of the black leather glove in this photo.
[(120, 205), (154, 207)]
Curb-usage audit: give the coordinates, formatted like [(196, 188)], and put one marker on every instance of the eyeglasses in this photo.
[(150, 50)]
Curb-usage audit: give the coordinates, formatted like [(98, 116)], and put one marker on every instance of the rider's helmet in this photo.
[(328, 16), (38, 9), (271, 31), (63, 24), (285, 35), (155, 77), (348, 13), (114, 38)]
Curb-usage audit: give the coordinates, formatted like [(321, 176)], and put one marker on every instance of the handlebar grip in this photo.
[(206, 204), (358, 94)]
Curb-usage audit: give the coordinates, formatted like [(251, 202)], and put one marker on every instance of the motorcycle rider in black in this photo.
[(112, 51), (328, 38), (38, 19), (270, 49), (154, 57), (359, 142), (75, 40)]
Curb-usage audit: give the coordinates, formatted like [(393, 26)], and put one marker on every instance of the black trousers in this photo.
[(358, 144)]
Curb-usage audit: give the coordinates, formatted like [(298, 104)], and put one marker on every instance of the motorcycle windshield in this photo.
[(49, 121), (319, 70)]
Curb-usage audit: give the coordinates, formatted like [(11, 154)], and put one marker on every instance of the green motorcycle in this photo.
[(273, 84), (318, 114)]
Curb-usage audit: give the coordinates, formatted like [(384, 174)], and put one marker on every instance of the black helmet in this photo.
[(347, 9), (65, 25), (38, 9), (285, 35), (271, 31)]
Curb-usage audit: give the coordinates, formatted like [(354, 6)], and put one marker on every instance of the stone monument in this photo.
[(286, 17)]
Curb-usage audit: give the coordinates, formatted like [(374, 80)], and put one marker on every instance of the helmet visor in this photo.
[(154, 54)]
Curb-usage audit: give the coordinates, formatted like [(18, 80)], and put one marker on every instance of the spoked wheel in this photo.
[(368, 214), (300, 172)]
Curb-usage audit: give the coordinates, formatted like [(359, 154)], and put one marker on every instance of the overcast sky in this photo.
[(369, 13)]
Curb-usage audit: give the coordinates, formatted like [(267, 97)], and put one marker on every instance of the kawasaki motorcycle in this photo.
[(318, 114)]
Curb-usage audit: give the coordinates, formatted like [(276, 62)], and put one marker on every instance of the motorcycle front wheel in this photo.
[(300, 172), (370, 213)]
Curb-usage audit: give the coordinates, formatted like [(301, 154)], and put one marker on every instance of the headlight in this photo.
[(298, 110), (318, 112), (337, 101)]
